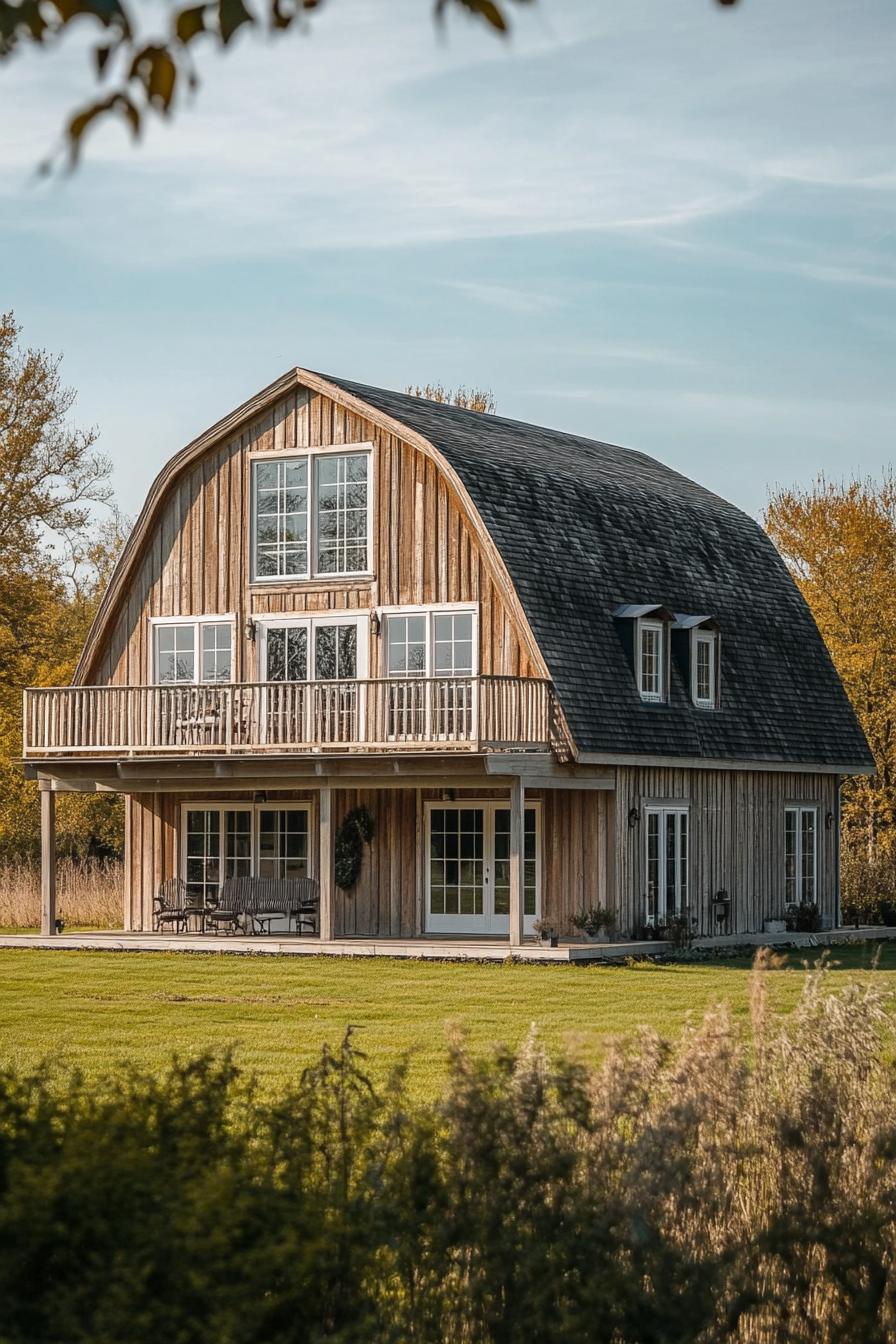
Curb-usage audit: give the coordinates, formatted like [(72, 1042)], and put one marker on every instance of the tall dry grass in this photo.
[(88, 893)]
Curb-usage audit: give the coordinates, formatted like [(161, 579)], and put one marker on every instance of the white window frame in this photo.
[(800, 808), (663, 809), (644, 625), (430, 611), (488, 922), (711, 640), (240, 805), (197, 622), (311, 455), (312, 623)]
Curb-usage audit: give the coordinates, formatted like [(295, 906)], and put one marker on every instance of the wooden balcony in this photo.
[(473, 714)]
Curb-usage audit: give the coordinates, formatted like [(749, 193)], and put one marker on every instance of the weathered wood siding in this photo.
[(196, 559), (736, 831), (577, 854)]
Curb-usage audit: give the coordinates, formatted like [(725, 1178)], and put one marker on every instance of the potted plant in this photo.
[(776, 925), (546, 934), (596, 924)]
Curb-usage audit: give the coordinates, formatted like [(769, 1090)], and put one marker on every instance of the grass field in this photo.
[(96, 1008)]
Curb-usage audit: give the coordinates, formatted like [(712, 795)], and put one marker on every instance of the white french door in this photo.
[(468, 867), (667, 862), (302, 652)]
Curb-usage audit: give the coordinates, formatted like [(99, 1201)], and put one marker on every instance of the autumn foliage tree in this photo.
[(839, 541), (470, 398), (54, 561)]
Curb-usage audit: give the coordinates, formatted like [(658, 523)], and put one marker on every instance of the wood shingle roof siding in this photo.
[(585, 527)]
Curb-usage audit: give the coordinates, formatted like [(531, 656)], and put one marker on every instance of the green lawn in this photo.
[(95, 1008)]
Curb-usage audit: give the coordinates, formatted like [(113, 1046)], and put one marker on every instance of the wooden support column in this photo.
[(325, 850), (517, 860), (47, 862)]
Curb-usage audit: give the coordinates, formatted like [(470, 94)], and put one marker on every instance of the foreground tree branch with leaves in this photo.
[(146, 73)]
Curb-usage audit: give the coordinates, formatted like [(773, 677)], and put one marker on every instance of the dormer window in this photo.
[(644, 632), (703, 665), (651, 660)]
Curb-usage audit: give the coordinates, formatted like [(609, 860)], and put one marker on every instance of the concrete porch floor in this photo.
[(429, 948)]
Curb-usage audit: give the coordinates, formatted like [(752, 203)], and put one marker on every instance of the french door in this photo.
[(667, 862), (468, 868), (319, 660)]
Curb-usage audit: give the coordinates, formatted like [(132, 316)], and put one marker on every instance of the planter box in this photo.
[(775, 926)]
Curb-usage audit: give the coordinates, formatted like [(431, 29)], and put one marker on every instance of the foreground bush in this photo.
[(739, 1185)]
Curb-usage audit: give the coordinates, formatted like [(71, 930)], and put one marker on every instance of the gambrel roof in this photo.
[(584, 527)]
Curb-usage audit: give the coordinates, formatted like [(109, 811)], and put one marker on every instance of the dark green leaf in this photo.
[(232, 15)]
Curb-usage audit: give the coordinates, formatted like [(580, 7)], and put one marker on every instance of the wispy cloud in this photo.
[(506, 297)]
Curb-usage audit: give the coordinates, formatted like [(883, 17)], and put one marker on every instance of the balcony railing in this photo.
[(395, 714)]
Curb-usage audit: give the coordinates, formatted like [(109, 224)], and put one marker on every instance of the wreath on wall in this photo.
[(355, 831)]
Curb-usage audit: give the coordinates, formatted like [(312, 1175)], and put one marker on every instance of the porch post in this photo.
[(517, 860), (325, 850), (47, 861)]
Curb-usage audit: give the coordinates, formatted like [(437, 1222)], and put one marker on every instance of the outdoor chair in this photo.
[(174, 906)]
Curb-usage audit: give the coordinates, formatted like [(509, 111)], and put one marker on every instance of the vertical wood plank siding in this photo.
[(736, 831), (196, 560)]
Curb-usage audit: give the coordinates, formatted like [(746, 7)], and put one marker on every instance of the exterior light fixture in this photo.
[(249, 630), (829, 820), (375, 622), (634, 817)]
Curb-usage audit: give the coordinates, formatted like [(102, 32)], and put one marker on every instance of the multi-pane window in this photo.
[(286, 652), (651, 660), (406, 646), (704, 671), (431, 644), (341, 498), (221, 841), (281, 517), (192, 651), (216, 641), (667, 862), (311, 515), (800, 855), (282, 843), (452, 643)]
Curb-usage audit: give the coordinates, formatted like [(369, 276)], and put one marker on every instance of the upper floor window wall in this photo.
[(311, 515)]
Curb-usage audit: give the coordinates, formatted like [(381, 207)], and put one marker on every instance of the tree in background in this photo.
[(54, 563), (839, 542), (472, 399)]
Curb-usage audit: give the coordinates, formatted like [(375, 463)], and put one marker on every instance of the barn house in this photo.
[(538, 674)]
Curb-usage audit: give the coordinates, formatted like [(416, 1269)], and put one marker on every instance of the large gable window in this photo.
[(186, 652), (311, 515)]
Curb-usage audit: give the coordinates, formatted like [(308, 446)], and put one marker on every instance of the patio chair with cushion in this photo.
[(173, 905)]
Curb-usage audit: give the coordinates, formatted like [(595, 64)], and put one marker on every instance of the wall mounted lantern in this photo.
[(249, 630), (634, 817)]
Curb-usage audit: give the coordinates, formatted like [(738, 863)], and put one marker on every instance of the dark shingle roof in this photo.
[(584, 527)]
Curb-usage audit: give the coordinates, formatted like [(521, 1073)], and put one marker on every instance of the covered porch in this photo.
[(467, 855)]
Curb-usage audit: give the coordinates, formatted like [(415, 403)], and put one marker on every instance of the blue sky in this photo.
[(654, 222)]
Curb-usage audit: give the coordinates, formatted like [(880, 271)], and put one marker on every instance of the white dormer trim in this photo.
[(704, 669)]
